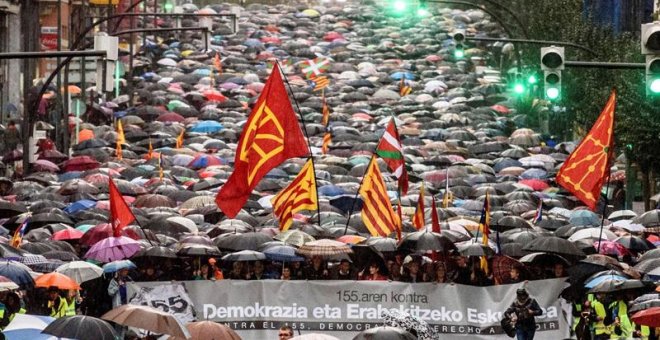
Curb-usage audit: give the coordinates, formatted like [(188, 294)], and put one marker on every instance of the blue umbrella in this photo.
[(584, 218), (595, 281), (283, 254), (28, 327), (345, 202), (399, 75), (69, 175), (202, 72), (79, 206), (331, 190), (207, 126), (534, 174), (16, 273), (116, 266)]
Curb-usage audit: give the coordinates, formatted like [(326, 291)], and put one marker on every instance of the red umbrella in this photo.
[(53, 156), (648, 317), (170, 117), (80, 163), (214, 96), (536, 184), (501, 109), (67, 234)]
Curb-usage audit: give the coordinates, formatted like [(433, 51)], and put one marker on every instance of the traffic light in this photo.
[(518, 84), (399, 6), (459, 38), (422, 9), (552, 63), (168, 6), (651, 48)]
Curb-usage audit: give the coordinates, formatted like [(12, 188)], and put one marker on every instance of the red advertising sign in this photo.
[(49, 38)]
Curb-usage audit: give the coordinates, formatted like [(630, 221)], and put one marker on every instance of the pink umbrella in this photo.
[(67, 234), (45, 165), (113, 249), (611, 248), (97, 178)]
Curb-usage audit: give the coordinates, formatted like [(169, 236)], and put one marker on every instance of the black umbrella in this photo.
[(9, 251), (247, 241), (423, 241), (609, 286), (81, 327), (555, 245), (8, 209), (157, 251), (634, 243)]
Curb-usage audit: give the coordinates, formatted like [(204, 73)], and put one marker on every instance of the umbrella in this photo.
[(7, 284), (324, 247), (294, 237), (81, 327), (610, 286), (423, 241), (649, 219), (244, 255), (649, 317), (385, 333), (112, 249), (28, 327), (56, 279), (555, 245), (17, 273), (282, 253), (116, 266), (80, 271), (147, 318), (209, 330), (67, 234)]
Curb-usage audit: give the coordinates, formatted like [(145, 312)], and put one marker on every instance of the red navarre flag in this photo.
[(583, 173), (120, 214), (271, 135)]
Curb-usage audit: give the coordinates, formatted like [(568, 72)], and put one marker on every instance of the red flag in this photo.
[(271, 135), (390, 150), (120, 214), (326, 112), (217, 63), (583, 173), (435, 220)]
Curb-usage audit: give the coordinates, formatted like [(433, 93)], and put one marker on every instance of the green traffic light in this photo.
[(552, 93), (655, 86), (532, 79), (518, 88), (399, 5)]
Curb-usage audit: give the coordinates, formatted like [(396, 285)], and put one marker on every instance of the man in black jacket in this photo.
[(522, 312)]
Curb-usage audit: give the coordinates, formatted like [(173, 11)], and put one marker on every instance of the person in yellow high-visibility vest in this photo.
[(622, 328), (601, 331), (56, 304), (13, 304), (71, 301)]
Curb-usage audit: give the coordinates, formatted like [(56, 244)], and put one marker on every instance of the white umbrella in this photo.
[(27, 326), (80, 271), (592, 233)]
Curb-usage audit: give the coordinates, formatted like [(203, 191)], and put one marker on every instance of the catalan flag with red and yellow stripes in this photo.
[(326, 112), (327, 139), (404, 89), (179, 139), (377, 212), (418, 218), (121, 139), (299, 195)]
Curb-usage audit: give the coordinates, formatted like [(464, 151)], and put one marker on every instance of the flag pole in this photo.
[(609, 173), (309, 145)]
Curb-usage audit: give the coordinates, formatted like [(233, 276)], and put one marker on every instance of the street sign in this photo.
[(48, 38)]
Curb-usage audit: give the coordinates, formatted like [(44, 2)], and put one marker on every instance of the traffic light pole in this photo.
[(603, 64)]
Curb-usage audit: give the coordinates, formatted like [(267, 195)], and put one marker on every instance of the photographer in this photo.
[(522, 312)]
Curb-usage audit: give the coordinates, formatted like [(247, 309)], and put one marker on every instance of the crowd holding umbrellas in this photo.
[(345, 71)]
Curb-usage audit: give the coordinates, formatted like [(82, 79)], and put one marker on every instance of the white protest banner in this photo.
[(171, 298), (256, 309)]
